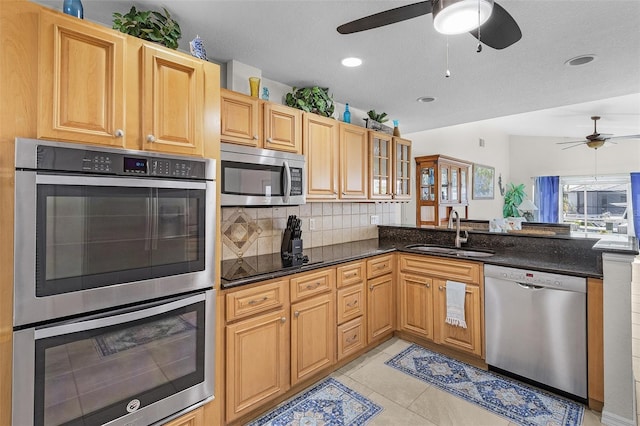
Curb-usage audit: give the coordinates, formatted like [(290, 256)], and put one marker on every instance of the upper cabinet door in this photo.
[(172, 102), (239, 118), (380, 166), (401, 169), (321, 154), (81, 81), (353, 162), (282, 128)]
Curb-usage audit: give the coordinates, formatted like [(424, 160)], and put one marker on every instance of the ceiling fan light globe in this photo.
[(460, 16), (595, 144)]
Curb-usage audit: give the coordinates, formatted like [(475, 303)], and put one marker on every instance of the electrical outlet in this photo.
[(312, 224), (375, 220)]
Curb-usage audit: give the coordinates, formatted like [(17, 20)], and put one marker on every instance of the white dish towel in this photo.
[(455, 304)]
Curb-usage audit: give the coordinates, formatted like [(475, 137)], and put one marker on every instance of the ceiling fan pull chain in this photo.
[(479, 49), (447, 73)]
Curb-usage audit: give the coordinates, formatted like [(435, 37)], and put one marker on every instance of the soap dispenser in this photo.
[(346, 117)]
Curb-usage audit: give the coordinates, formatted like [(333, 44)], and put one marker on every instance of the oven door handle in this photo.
[(121, 316), (154, 219), (58, 179), (286, 182)]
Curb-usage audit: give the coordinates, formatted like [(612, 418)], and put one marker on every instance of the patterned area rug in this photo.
[(328, 403), (516, 401), (118, 341)]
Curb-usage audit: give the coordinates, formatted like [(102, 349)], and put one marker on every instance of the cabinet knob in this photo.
[(428, 285), (283, 320), (269, 140), (296, 314), (255, 137), (440, 288), (119, 133), (371, 287), (151, 138)]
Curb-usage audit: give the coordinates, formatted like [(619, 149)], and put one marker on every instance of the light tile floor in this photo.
[(409, 401)]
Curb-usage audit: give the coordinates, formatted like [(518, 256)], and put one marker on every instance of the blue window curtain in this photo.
[(635, 202), (546, 198)]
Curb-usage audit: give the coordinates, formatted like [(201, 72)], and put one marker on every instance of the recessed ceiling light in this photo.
[(580, 60), (352, 62), (425, 99)]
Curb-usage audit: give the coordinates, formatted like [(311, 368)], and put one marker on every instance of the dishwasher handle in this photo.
[(530, 286)]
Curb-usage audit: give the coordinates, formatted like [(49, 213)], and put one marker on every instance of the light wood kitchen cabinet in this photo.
[(423, 292), (595, 343), (81, 81), (246, 120), (401, 169), (380, 164), (321, 151), (240, 118), (351, 337), (467, 339), (416, 304), (257, 361), (380, 298), (353, 162), (172, 102), (192, 418), (351, 308), (282, 128), (313, 336), (442, 184)]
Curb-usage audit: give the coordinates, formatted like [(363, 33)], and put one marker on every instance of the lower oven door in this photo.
[(133, 366)]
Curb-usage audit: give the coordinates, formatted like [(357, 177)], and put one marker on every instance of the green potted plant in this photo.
[(149, 25), (513, 197), (311, 99), (380, 118)]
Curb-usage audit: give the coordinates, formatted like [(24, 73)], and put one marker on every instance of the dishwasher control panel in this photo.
[(536, 278)]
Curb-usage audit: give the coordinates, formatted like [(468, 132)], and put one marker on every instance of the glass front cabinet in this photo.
[(390, 167), (442, 185)]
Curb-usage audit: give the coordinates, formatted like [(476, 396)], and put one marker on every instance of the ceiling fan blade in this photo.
[(500, 30), (625, 137), (572, 146), (563, 143), (387, 17)]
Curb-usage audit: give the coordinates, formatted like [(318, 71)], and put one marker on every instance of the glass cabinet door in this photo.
[(402, 169), (380, 166), (454, 185), (444, 183), (463, 186)]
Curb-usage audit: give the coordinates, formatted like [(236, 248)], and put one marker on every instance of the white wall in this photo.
[(462, 141), (542, 156)]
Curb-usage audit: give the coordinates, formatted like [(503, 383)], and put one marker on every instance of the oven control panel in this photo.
[(57, 158)]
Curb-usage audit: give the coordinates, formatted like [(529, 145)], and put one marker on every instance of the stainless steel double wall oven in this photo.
[(113, 284)]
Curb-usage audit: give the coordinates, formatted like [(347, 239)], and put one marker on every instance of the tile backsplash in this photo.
[(248, 231)]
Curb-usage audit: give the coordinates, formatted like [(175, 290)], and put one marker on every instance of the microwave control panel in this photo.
[(296, 181), (112, 163)]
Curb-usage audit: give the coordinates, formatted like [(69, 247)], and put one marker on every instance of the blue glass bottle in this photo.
[(73, 8), (346, 117)]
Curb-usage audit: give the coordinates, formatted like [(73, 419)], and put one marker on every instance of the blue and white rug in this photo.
[(328, 403), (516, 401)]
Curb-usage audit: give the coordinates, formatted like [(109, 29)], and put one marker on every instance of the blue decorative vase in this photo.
[(265, 93), (73, 8), (346, 117)]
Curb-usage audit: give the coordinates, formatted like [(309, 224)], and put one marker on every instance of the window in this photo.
[(595, 205)]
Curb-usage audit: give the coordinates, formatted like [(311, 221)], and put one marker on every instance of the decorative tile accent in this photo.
[(516, 401), (239, 232), (328, 403)]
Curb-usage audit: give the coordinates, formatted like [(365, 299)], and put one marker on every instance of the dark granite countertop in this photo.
[(238, 272), (580, 257)]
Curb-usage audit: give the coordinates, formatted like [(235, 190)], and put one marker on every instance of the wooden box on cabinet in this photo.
[(442, 184)]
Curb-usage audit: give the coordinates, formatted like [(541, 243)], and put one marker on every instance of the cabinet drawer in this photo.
[(350, 274), (257, 299), (306, 285), (460, 270), (350, 303), (351, 337), (379, 266)]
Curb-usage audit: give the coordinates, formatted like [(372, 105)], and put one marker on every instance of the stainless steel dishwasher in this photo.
[(536, 327)]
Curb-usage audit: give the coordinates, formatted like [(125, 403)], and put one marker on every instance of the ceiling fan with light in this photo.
[(597, 140), (484, 19)]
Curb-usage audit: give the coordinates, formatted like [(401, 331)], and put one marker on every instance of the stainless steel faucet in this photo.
[(459, 240)]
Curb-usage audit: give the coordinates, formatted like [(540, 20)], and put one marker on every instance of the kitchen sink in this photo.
[(451, 251)]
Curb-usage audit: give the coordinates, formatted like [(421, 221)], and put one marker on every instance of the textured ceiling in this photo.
[(296, 43)]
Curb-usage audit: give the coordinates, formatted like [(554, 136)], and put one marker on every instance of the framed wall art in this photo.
[(483, 182)]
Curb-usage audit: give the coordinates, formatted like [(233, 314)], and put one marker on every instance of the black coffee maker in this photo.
[(291, 248)]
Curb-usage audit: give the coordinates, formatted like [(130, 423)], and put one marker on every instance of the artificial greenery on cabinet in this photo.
[(311, 99), (149, 25)]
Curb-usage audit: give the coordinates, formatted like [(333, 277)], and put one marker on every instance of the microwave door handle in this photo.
[(287, 182)]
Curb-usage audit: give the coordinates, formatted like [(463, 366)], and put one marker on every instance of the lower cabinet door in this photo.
[(313, 328), (466, 339), (380, 307), (257, 362), (416, 305), (351, 337)]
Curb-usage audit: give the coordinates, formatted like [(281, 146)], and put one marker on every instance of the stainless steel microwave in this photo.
[(261, 177)]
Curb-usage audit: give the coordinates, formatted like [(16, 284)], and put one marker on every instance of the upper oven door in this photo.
[(84, 243)]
